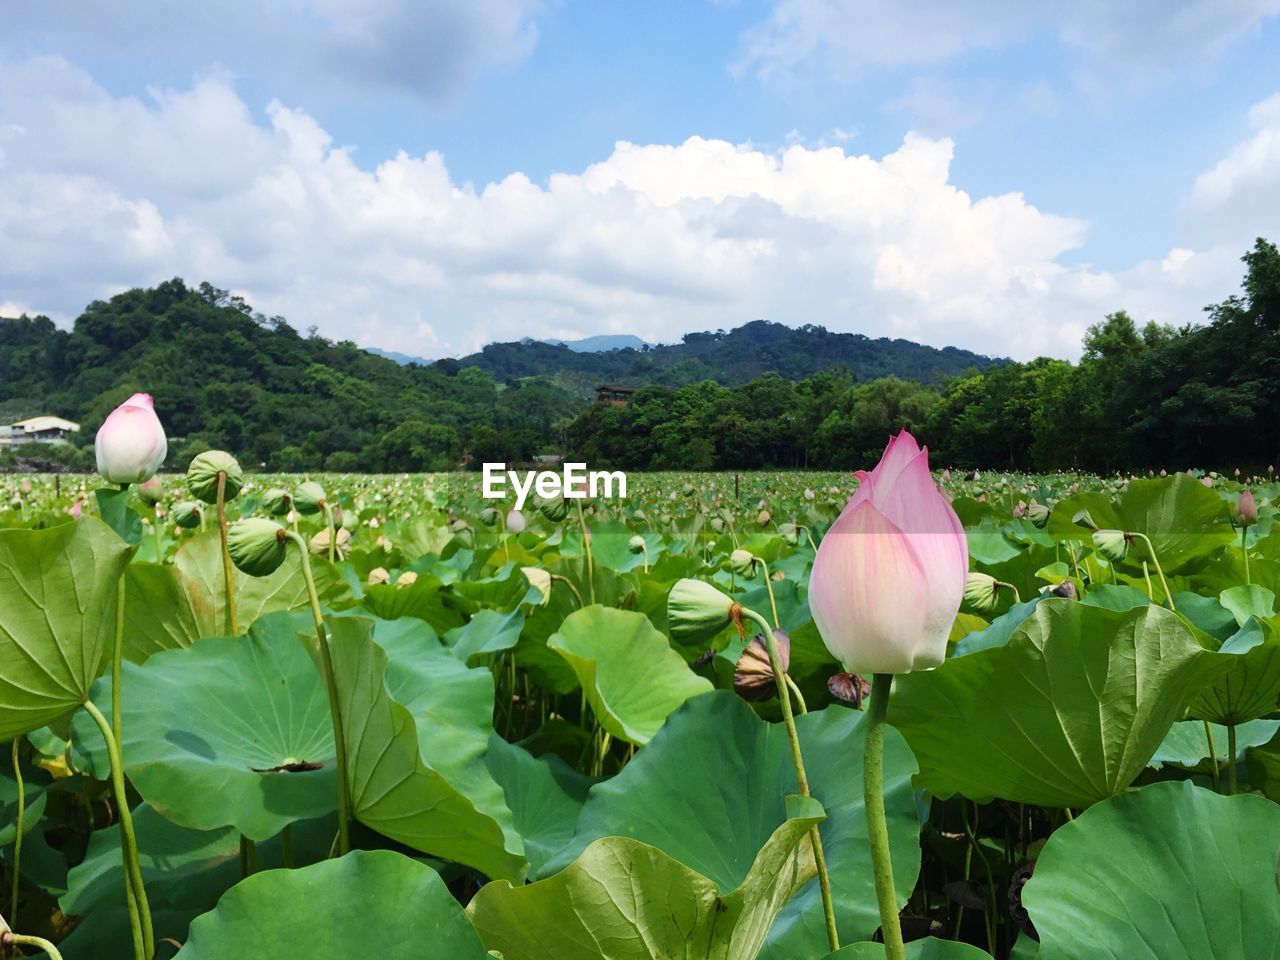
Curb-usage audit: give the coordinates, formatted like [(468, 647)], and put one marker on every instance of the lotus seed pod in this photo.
[(202, 476), (489, 516), (310, 498), (257, 545), (554, 509), (696, 611), (277, 502), (187, 514), (406, 579), (636, 544), (1083, 519), (763, 517), (790, 533), (743, 564), (981, 591), (717, 524), (1112, 544), (379, 575)]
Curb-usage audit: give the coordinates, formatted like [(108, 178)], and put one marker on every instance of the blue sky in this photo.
[(1065, 160)]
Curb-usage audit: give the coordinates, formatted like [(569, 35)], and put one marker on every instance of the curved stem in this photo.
[(228, 574), (801, 706), (17, 840), (331, 688), (781, 680), (768, 585), (586, 546), (40, 943), (1213, 757), (1159, 570), (569, 583), (877, 825), (144, 935)]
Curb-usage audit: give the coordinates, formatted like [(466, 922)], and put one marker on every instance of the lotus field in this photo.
[(781, 715)]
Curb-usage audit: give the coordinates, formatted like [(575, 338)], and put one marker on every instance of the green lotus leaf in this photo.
[(632, 678), (708, 791), (1187, 745), (1250, 687), (57, 618), (369, 903), (395, 789), (1171, 871), (1067, 713), (248, 744), (626, 900)]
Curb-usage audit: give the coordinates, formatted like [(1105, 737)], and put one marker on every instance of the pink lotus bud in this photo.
[(131, 445), (1207, 481), (76, 510), (890, 573), (1246, 509)]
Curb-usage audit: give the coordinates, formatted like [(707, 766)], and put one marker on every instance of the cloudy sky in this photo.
[(431, 175)]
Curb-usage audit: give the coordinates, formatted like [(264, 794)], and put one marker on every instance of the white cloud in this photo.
[(846, 36), (1241, 193), (100, 193)]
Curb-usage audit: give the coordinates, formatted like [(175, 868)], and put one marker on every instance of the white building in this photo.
[(38, 430)]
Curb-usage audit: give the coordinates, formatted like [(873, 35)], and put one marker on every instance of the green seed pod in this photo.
[(1112, 544), (981, 591), (554, 509), (743, 564), (277, 502), (310, 498), (202, 476), (489, 516), (1083, 519), (187, 514), (696, 611), (763, 517), (257, 545), (789, 533), (636, 544), (717, 524), (539, 580)]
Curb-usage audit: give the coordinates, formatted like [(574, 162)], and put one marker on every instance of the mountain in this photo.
[(731, 358), (403, 359), (602, 342)]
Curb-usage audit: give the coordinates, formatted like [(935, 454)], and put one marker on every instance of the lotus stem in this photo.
[(1159, 570), (877, 824), (139, 918), (1232, 784), (331, 688), (797, 758), (1244, 548), (228, 575), (1213, 757), (586, 546), (17, 840), (40, 943), (569, 583)]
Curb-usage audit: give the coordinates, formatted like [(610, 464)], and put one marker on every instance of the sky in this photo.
[(428, 176)]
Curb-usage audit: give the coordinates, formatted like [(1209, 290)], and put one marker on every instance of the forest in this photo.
[(1142, 396)]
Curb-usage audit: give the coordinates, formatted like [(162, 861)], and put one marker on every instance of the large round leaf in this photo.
[(367, 904), (709, 790), (231, 731), (57, 618), (927, 949), (395, 789), (1065, 714), (1248, 690), (625, 900), (1170, 871), (632, 677)]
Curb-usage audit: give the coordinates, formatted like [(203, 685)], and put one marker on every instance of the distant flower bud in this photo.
[(696, 611), (277, 502), (342, 545), (188, 514), (379, 575), (763, 517), (309, 499), (151, 492), (406, 579), (753, 677), (515, 522), (1246, 509), (1038, 514), (257, 545), (636, 544), (202, 476)]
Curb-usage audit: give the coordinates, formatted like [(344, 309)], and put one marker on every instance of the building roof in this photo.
[(616, 389), (41, 424)]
